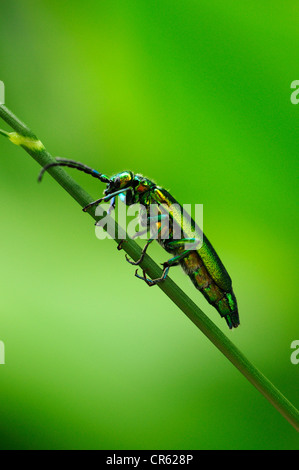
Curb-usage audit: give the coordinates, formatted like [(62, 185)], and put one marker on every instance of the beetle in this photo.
[(192, 250)]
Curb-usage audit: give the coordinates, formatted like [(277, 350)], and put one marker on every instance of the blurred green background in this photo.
[(195, 95)]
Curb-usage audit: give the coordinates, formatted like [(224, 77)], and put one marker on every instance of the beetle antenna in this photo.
[(73, 164)]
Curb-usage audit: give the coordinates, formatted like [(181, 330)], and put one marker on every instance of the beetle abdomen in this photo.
[(224, 301)]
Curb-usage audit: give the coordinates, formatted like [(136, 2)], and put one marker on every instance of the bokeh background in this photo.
[(195, 95)]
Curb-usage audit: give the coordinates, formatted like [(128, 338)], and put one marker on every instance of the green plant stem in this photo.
[(193, 312)]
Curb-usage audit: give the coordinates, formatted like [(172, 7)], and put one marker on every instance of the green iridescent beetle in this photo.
[(201, 264)]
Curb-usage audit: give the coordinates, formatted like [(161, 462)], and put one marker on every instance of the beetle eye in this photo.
[(116, 182)]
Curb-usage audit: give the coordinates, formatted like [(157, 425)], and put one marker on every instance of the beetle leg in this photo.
[(175, 261), (112, 205), (136, 263), (110, 210), (150, 220), (153, 282), (191, 242), (120, 245), (139, 234), (171, 262), (106, 198)]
